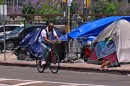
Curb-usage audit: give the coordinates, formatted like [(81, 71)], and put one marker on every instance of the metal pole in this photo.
[(68, 19), (87, 13), (88, 2), (4, 34)]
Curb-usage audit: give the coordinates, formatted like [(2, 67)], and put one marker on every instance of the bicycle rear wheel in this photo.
[(40, 67), (54, 63)]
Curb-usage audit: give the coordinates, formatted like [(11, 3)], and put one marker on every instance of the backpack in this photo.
[(47, 33)]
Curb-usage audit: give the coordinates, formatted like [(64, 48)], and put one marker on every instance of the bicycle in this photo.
[(52, 62)]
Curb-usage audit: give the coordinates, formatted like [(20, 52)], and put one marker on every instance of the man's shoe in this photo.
[(43, 62)]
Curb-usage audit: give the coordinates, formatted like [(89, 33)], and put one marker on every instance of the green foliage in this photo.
[(74, 7), (110, 8), (106, 7), (28, 9), (2, 2), (49, 9)]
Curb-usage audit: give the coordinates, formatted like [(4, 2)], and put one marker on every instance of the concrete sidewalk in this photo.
[(11, 60)]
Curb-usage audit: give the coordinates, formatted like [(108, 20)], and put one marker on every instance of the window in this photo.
[(27, 30), (15, 2), (20, 2), (1, 29), (109, 0), (119, 0), (10, 28), (9, 2), (96, 0), (128, 1)]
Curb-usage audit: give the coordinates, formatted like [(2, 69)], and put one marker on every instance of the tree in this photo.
[(2, 2), (28, 9), (74, 8), (50, 9), (105, 7)]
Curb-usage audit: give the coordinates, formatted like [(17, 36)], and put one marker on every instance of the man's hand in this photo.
[(59, 41), (56, 41)]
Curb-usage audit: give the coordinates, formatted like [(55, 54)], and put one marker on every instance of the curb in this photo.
[(121, 72), (17, 64)]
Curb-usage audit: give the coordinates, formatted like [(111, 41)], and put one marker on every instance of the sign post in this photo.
[(3, 11), (87, 6), (69, 5)]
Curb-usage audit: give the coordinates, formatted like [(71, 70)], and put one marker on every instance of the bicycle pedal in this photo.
[(47, 68)]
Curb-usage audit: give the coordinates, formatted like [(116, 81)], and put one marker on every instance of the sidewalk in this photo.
[(11, 60)]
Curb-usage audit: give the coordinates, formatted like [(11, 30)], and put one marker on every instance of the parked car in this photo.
[(9, 28), (15, 37)]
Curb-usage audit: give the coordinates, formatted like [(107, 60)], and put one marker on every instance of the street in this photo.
[(26, 76)]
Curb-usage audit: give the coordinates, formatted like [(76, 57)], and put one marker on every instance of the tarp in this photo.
[(95, 27), (31, 42)]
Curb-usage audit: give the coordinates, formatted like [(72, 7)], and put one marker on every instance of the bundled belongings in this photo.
[(87, 47), (113, 44), (73, 50)]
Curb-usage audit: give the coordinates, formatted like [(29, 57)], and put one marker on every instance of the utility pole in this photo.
[(68, 19), (87, 7), (69, 5), (68, 13), (3, 8), (65, 14)]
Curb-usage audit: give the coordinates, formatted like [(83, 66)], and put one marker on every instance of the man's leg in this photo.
[(45, 49)]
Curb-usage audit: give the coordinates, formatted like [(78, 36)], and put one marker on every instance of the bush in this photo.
[(105, 8)]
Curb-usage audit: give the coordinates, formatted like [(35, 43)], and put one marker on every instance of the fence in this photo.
[(56, 18)]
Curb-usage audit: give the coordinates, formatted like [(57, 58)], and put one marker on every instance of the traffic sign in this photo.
[(69, 2), (87, 3)]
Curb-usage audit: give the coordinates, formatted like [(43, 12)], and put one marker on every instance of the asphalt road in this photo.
[(25, 76)]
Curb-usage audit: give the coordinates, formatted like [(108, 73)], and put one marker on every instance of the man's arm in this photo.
[(55, 34), (47, 40), (57, 38)]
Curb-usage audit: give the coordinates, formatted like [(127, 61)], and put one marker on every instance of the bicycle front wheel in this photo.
[(54, 63), (40, 67)]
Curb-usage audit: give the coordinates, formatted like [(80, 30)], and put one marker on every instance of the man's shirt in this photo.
[(45, 33)]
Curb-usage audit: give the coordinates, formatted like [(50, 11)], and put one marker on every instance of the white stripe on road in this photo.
[(33, 81), (27, 83), (4, 85)]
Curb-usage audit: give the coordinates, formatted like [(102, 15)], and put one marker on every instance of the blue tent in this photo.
[(95, 27)]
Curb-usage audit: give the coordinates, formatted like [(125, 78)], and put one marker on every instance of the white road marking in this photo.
[(2, 79), (68, 85), (27, 83), (33, 81), (4, 85)]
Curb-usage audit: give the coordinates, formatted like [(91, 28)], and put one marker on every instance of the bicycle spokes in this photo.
[(40, 67), (52, 62), (54, 66)]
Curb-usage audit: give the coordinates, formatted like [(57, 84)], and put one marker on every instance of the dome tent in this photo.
[(113, 43)]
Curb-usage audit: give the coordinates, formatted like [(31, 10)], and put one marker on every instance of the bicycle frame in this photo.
[(50, 55)]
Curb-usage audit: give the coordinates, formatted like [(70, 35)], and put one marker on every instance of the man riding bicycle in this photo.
[(45, 40)]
